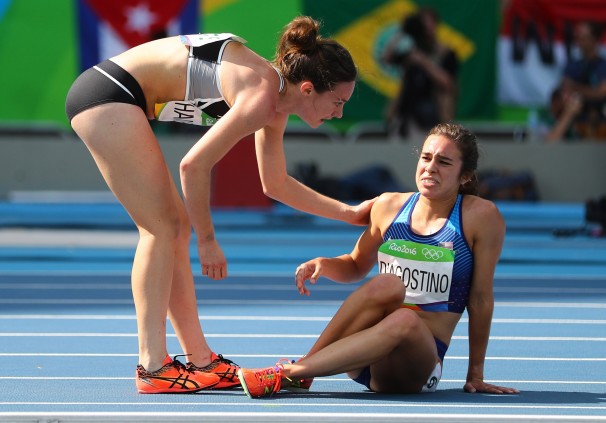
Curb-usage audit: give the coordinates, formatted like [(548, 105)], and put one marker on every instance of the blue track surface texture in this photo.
[(68, 333)]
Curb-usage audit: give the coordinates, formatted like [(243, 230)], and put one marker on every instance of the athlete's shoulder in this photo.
[(387, 206), (389, 200), (481, 215), (479, 206)]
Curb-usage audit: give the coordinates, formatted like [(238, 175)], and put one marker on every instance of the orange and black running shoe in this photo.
[(226, 369), (173, 378)]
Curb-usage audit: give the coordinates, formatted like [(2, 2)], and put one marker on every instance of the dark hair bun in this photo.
[(302, 54), (302, 34)]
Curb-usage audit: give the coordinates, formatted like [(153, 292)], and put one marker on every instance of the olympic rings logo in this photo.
[(432, 254)]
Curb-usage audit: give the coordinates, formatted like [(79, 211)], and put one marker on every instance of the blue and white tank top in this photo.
[(436, 269)]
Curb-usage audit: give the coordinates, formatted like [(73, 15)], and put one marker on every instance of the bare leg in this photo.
[(131, 161), (364, 308), (183, 308), (370, 328)]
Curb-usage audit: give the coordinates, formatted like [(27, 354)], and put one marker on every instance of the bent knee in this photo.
[(386, 288), (402, 324), (171, 227)]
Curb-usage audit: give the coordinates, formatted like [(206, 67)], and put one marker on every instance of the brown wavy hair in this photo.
[(467, 144), (303, 54)]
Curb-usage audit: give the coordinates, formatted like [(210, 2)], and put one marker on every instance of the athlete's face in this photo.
[(439, 168), (327, 105)]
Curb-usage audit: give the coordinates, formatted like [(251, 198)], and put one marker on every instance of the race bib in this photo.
[(425, 270), (183, 112)]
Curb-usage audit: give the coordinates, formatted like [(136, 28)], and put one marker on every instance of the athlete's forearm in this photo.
[(480, 317), (196, 193), (299, 196)]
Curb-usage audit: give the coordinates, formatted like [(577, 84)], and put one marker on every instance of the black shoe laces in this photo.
[(220, 359), (180, 366)]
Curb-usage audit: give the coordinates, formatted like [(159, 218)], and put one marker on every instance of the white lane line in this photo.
[(78, 317), (294, 417), (46, 286), (127, 287), (88, 301), (547, 321), (134, 335), (133, 317), (279, 318), (464, 358), (541, 338), (540, 304), (281, 335), (547, 290), (314, 404), (300, 303), (247, 273)]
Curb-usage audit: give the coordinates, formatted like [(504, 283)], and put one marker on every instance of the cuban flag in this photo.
[(109, 27)]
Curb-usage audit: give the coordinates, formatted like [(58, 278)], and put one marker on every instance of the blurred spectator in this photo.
[(428, 88), (585, 77), (564, 107)]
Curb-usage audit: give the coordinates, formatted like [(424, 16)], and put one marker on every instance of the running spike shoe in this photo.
[(173, 378), (300, 386), (259, 383), (226, 369)]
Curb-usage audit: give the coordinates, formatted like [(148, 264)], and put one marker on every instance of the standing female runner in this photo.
[(205, 79)]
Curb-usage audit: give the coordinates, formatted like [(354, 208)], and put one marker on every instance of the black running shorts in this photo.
[(104, 83)]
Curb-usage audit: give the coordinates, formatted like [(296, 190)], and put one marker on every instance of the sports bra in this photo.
[(436, 269), (204, 102)]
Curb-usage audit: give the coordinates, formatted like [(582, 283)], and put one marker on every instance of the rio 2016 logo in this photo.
[(403, 249)]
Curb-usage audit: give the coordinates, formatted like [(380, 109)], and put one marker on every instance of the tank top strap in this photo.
[(282, 84)]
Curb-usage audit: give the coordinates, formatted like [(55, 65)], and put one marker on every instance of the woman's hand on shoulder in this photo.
[(385, 208), (373, 209), (360, 213), (364, 254)]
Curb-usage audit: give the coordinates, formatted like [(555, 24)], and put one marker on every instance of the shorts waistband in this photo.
[(126, 79)]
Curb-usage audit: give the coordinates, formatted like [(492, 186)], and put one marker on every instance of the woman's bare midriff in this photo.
[(159, 67)]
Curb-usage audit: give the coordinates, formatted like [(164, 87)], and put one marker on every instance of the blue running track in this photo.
[(68, 333)]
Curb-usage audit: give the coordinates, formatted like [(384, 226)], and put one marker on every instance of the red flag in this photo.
[(137, 21), (108, 27)]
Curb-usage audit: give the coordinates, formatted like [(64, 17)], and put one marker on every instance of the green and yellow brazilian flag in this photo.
[(36, 84)]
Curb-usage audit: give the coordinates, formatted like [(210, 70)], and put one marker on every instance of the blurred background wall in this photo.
[(511, 55), (46, 44)]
